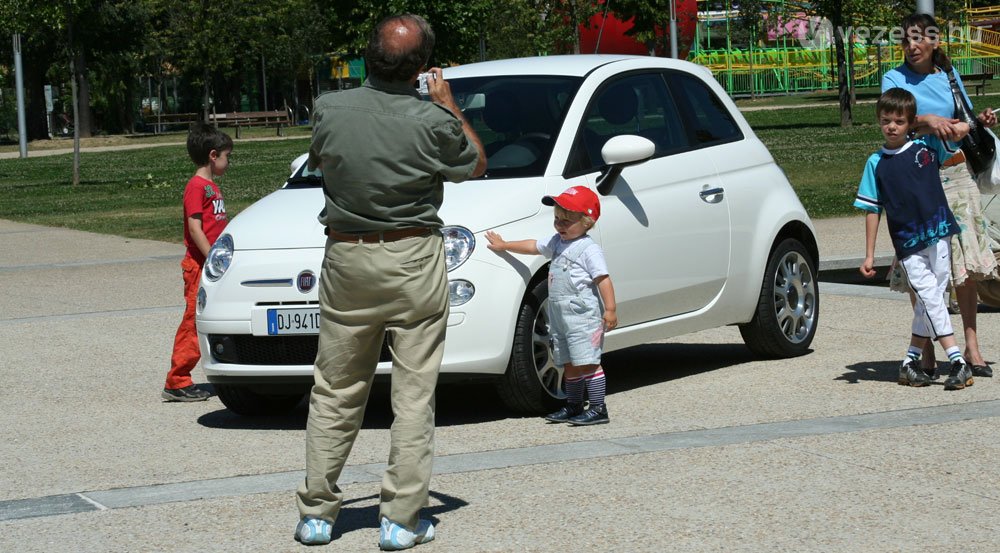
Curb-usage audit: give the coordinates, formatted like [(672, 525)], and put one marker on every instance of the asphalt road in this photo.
[(709, 449)]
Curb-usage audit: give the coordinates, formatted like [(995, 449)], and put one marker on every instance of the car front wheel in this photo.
[(788, 306), (532, 383), (244, 401)]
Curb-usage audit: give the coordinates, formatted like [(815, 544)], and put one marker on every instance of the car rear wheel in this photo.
[(244, 401), (788, 307), (532, 383)]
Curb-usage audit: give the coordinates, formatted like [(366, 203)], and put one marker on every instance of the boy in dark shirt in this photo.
[(902, 179)]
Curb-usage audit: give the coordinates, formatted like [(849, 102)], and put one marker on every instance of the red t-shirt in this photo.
[(203, 196)]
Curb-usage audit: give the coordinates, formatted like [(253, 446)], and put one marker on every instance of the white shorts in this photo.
[(927, 273)]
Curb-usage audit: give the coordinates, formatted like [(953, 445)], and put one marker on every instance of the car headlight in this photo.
[(458, 245), (219, 258), (460, 292)]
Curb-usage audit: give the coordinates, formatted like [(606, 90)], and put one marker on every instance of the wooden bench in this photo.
[(978, 81), (278, 119), (160, 122)]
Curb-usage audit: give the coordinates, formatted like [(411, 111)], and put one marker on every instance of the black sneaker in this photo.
[(567, 412), (982, 370), (188, 393), (910, 374), (931, 372), (594, 415), (959, 377)]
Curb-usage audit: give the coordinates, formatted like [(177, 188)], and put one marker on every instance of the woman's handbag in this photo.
[(988, 180), (979, 146)]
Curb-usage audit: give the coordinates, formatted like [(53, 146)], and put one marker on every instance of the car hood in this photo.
[(286, 218)]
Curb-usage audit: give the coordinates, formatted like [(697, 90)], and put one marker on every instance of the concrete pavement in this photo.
[(709, 449)]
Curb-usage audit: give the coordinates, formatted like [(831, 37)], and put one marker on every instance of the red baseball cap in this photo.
[(579, 199)]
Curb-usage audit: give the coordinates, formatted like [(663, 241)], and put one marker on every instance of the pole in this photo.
[(673, 29), (22, 126), (263, 78)]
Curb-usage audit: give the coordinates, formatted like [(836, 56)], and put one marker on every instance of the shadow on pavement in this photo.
[(457, 404), (473, 402), (881, 371), (649, 364), (351, 519)]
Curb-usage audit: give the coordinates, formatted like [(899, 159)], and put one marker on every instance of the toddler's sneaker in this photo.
[(982, 370), (959, 377), (313, 531), (594, 415), (910, 374), (187, 393), (568, 411), (393, 537)]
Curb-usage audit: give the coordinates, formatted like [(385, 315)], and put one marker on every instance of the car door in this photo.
[(665, 224)]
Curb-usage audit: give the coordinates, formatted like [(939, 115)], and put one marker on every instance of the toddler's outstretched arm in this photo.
[(498, 244)]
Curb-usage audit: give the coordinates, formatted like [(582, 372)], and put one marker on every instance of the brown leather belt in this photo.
[(954, 160), (381, 236)]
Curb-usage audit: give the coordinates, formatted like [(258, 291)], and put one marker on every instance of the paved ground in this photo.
[(708, 449)]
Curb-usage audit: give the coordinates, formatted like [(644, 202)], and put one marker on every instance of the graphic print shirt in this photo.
[(905, 183), (203, 196)]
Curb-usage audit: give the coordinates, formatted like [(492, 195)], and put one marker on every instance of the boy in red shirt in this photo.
[(204, 220)]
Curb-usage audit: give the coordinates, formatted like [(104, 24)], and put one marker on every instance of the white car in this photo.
[(700, 228)]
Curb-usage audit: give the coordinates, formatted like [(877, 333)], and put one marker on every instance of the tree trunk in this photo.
[(36, 118), (846, 117)]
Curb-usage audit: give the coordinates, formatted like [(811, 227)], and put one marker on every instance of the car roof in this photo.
[(578, 65)]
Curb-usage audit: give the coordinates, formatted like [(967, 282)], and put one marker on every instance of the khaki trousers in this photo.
[(367, 290)]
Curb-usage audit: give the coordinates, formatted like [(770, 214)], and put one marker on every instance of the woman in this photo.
[(925, 74)]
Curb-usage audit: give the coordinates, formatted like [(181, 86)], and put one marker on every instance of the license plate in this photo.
[(292, 321)]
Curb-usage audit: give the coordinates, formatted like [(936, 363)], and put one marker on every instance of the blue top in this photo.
[(906, 185), (932, 91)]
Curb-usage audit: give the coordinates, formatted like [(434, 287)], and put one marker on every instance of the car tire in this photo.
[(788, 306), (243, 401), (532, 384)]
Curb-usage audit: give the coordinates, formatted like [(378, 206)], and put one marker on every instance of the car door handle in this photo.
[(711, 195)]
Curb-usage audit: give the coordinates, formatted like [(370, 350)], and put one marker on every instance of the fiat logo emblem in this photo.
[(306, 281)]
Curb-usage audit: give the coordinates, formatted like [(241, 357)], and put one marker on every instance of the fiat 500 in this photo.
[(699, 226)]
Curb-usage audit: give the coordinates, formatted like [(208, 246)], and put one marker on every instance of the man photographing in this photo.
[(385, 155)]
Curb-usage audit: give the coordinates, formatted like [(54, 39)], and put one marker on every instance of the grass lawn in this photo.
[(137, 193)]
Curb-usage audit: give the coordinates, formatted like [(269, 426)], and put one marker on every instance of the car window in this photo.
[(638, 104), (516, 117), (707, 119)]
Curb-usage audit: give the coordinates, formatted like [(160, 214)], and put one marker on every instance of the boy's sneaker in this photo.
[(959, 377), (313, 531), (393, 537), (931, 372), (594, 415), (910, 374), (567, 412), (188, 393)]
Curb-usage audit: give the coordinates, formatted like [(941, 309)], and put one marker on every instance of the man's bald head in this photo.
[(399, 47)]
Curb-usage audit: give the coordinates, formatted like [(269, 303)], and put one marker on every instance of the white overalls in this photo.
[(576, 324)]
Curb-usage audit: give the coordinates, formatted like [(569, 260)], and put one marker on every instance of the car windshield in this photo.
[(517, 118)]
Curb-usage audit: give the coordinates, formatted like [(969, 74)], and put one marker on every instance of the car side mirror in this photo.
[(620, 152)]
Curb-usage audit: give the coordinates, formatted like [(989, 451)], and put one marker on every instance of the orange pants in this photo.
[(186, 350)]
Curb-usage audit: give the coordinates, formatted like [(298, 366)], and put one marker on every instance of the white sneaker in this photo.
[(393, 537)]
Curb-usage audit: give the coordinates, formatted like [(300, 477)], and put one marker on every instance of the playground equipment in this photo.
[(794, 52)]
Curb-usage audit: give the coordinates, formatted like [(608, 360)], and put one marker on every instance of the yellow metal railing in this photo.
[(985, 40)]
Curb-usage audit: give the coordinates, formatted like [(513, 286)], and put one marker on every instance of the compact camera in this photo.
[(422, 83)]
